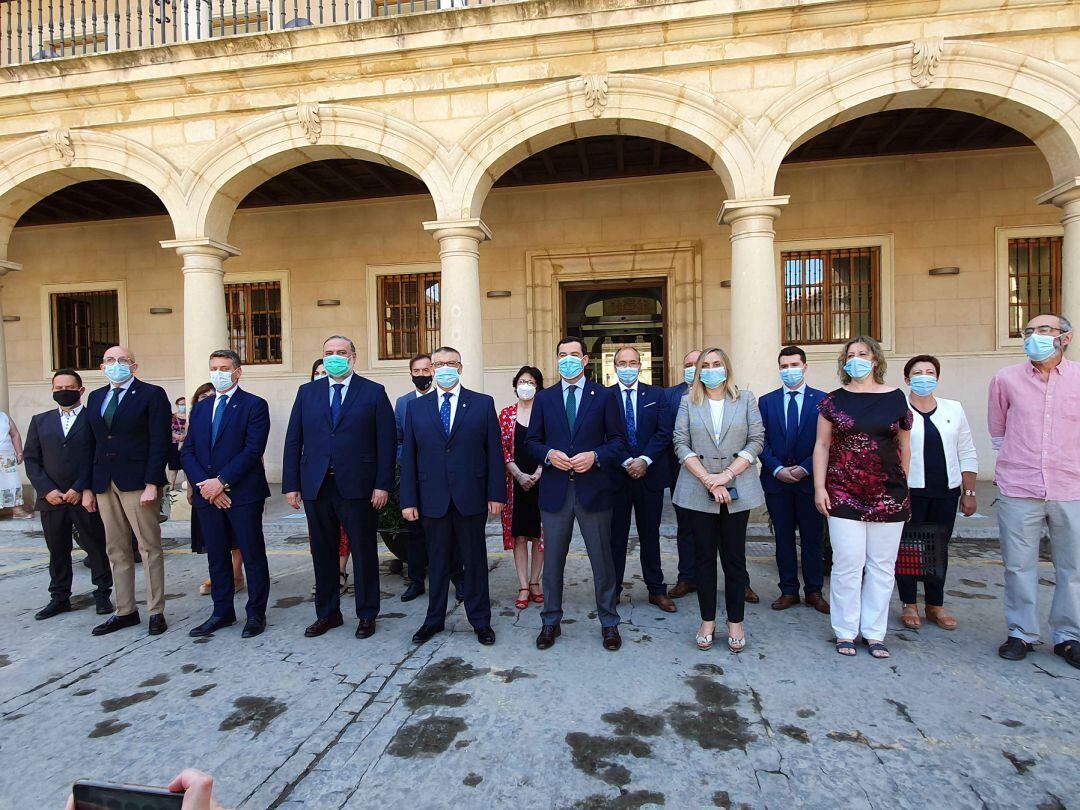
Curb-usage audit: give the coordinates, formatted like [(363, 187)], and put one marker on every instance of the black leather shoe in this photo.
[(103, 604), (426, 632), (54, 608), (1014, 649), (157, 624), (320, 626), (1070, 651), (486, 636), (114, 623), (414, 590), (253, 627), (548, 634), (612, 639), (211, 625), (365, 628)]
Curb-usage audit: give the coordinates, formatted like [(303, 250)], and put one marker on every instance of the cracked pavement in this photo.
[(334, 722)]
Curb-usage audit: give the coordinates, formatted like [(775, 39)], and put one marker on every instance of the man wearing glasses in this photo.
[(1032, 415), (132, 424)]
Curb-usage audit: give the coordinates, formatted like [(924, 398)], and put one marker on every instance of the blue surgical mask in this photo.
[(118, 373), (627, 376), (570, 367), (858, 368), (221, 380), (447, 376), (713, 377), (688, 375), (336, 365), (923, 385), (1040, 347), (792, 377)]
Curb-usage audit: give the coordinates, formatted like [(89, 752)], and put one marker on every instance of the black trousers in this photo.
[(725, 534), (418, 557), (57, 524), (325, 516), (930, 510), (238, 527), (647, 505), (463, 534)]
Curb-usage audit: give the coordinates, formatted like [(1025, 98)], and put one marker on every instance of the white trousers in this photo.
[(863, 573)]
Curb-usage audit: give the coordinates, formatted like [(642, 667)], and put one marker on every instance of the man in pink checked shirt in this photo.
[(1034, 420)]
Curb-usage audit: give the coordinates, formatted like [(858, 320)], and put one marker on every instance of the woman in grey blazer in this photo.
[(718, 436)]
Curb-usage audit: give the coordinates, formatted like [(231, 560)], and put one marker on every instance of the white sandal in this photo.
[(704, 643)]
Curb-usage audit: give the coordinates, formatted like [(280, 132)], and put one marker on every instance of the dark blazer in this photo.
[(598, 427), (237, 456), (674, 396), (133, 452), (773, 408), (361, 448), (401, 406), (54, 461), (465, 468), (653, 431)]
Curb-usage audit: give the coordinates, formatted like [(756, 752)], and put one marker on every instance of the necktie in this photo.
[(631, 422), (110, 406), (571, 406), (792, 423), (444, 412), (335, 404), (219, 414)]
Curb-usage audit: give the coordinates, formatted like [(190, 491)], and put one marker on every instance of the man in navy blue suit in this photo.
[(639, 488), (59, 459), (687, 582), (222, 457), (132, 424), (577, 430), (339, 458), (452, 478), (790, 416)]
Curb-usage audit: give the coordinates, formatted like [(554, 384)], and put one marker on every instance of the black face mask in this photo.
[(66, 398), (421, 382)]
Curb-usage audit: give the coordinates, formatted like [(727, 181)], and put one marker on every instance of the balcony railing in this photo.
[(39, 30)]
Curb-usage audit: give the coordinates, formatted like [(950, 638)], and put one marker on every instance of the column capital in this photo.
[(467, 228), (1062, 194), (203, 246), (734, 210), (9, 267)]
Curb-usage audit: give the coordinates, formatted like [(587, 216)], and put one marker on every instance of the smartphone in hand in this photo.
[(91, 795)]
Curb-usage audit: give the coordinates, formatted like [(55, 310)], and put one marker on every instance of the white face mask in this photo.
[(526, 391), (221, 380)]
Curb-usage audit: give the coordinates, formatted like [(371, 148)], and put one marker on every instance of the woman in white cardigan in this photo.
[(942, 475)]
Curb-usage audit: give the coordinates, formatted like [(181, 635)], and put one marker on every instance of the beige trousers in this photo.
[(122, 515)]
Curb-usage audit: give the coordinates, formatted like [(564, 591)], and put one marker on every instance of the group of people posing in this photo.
[(866, 458)]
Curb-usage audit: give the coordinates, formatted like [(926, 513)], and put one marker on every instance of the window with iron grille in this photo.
[(408, 314), (1034, 279), (253, 311), (831, 295), (85, 325)]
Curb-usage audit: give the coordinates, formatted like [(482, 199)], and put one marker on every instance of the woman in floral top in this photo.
[(860, 472)]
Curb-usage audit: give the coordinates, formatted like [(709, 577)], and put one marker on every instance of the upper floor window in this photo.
[(85, 324), (408, 314), (253, 312), (1034, 279), (832, 295)]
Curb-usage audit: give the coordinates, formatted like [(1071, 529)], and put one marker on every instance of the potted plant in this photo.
[(392, 528)]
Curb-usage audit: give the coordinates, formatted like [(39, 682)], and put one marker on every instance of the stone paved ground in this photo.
[(284, 721)]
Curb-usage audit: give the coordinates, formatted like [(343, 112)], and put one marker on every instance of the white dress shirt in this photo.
[(67, 418), (455, 397), (344, 386), (634, 391), (121, 392), (800, 397)]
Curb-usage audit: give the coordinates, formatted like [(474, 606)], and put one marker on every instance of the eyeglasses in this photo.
[(445, 363), (1042, 330), (112, 361)]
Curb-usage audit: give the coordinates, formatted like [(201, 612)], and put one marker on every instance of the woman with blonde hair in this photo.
[(861, 460), (718, 436)]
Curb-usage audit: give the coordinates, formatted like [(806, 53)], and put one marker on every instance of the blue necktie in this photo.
[(219, 414), (444, 412), (792, 423), (631, 423), (571, 406), (335, 404)]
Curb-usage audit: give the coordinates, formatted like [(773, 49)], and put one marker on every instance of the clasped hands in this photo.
[(717, 484), (215, 492), (527, 481), (581, 463), (791, 475)]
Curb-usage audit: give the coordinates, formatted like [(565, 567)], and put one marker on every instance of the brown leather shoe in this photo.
[(785, 601), (365, 628), (751, 597), (612, 639), (817, 602), (681, 589), (663, 602), (320, 626), (548, 634), (939, 616)]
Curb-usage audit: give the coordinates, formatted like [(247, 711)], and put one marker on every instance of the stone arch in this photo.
[(1033, 96), (34, 167), (598, 105), (236, 164)]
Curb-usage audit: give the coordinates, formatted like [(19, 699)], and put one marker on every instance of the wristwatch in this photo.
[(969, 493)]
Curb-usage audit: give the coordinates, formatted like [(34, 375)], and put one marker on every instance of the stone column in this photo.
[(5, 268), (459, 292), (205, 325), (1067, 197), (755, 296)]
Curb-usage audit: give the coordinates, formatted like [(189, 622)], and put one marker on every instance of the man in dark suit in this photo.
[(577, 430), (687, 582), (452, 477), (421, 373), (132, 424), (59, 459), (639, 488), (339, 461), (790, 417), (222, 458)]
